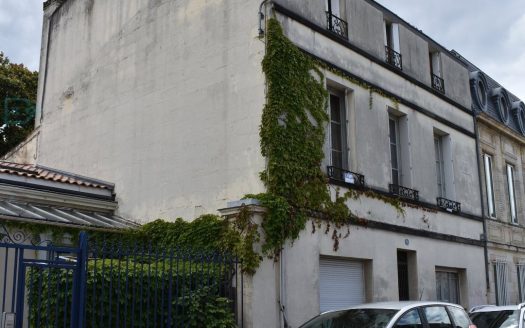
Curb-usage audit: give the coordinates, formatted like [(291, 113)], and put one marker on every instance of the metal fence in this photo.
[(116, 284)]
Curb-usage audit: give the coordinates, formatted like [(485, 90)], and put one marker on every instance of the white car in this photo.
[(395, 315), (491, 316)]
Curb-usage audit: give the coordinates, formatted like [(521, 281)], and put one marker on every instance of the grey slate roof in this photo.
[(492, 109)]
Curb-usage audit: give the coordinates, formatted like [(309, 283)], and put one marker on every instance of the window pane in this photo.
[(395, 177), (484, 319), (336, 137), (410, 319), (510, 320), (337, 159), (489, 185), (440, 169), (335, 108), (393, 154), (511, 191), (393, 132), (460, 317), (500, 275), (437, 317), (521, 282)]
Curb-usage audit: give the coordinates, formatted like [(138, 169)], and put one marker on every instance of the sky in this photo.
[(489, 33)]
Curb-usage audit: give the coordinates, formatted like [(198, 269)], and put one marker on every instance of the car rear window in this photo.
[(437, 317), (496, 319), (356, 318), (460, 317)]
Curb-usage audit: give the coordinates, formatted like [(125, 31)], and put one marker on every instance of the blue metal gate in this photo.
[(111, 284), (31, 295)]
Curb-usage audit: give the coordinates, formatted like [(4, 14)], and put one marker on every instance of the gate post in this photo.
[(79, 283)]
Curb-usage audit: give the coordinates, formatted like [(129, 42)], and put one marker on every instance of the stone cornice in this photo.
[(500, 127)]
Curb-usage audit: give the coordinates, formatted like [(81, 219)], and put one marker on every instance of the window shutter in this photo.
[(341, 284)]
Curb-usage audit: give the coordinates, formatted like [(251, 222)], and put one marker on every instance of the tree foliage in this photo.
[(18, 88)]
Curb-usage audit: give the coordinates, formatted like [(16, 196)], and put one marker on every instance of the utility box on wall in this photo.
[(7, 320)]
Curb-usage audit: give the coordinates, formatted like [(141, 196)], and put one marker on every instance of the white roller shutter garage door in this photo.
[(342, 283)]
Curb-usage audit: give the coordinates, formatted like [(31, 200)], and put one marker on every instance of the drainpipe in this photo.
[(283, 321), (480, 176), (50, 8), (262, 17)]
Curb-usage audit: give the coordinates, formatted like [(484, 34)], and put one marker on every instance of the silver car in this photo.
[(490, 316), (395, 315)]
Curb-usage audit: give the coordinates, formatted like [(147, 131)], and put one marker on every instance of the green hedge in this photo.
[(136, 293)]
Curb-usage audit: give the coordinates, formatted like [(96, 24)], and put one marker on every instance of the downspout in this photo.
[(49, 29), (280, 282), (58, 4), (480, 177)]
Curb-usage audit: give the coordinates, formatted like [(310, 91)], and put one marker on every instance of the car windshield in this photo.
[(356, 318), (496, 319)]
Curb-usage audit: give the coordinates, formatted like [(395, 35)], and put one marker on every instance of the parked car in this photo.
[(394, 315), (491, 316)]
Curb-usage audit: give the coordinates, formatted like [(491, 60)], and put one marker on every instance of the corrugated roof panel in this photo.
[(60, 215)]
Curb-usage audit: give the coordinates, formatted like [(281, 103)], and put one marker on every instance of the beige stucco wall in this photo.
[(299, 266), (163, 98)]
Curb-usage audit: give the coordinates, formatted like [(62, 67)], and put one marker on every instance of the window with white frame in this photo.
[(521, 281), (513, 213), (391, 33), (395, 149), (500, 279), (337, 131), (440, 165), (489, 185)]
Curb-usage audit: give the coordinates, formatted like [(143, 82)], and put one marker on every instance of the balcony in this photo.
[(404, 192), (393, 57), (346, 177), (448, 205), (438, 83), (337, 25)]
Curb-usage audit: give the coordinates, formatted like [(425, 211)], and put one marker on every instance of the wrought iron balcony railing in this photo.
[(449, 205), (337, 25), (345, 176), (393, 57), (404, 192), (438, 83)]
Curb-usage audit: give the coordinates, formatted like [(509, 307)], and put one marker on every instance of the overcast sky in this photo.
[(490, 33)]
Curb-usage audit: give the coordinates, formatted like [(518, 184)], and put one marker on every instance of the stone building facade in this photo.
[(165, 99), (500, 119)]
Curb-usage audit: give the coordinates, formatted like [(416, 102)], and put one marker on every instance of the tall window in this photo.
[(392, 36), (500, 279), (436, 74), (489, 183), (395, 159), (521, 281), (440, 165), (333, 7), (447, 287), (338, 146), (512, 194)]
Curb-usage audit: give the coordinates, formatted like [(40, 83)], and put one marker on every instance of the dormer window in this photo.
[(392, 47), (436, 73), (334, 14)]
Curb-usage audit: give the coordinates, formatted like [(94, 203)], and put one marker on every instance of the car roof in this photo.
[(494, 308), (403, 305)]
